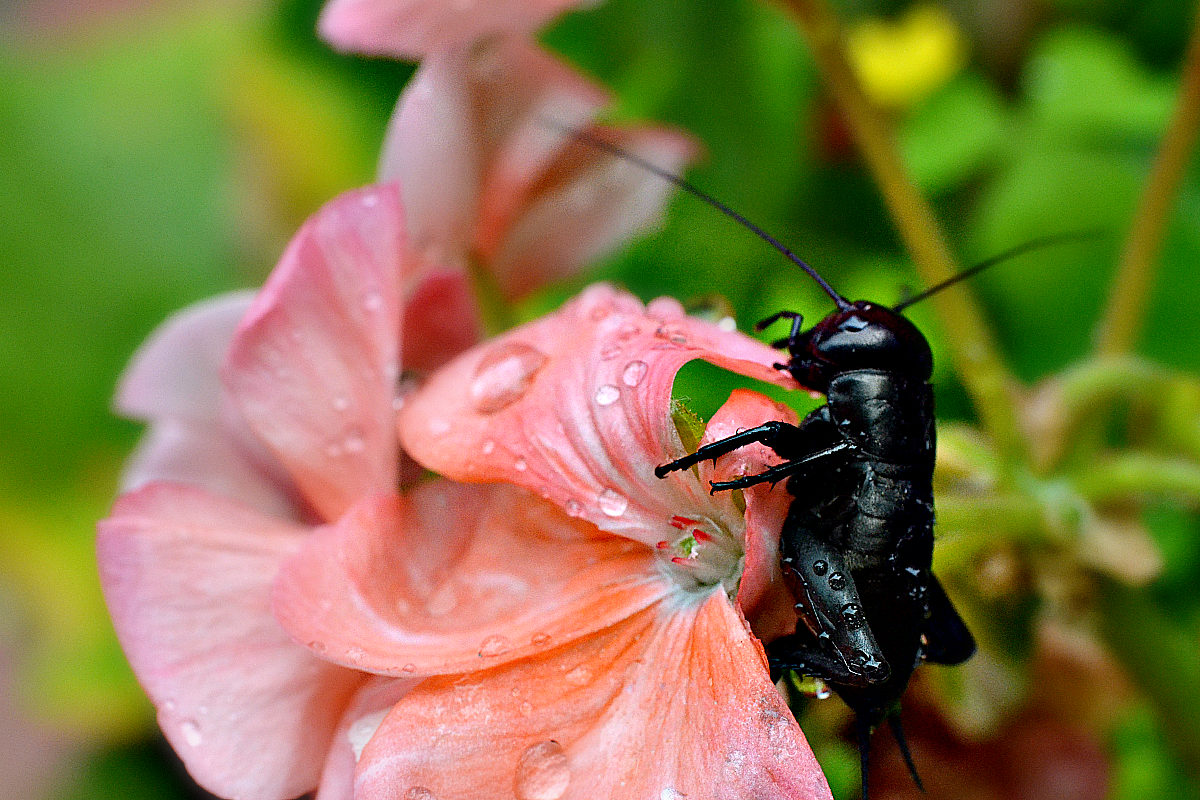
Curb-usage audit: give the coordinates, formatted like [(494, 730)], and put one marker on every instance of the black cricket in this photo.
[(857, 544)]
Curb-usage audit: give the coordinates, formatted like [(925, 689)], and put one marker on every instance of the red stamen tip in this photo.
[(681, 522), (700, 536), (663, 545)]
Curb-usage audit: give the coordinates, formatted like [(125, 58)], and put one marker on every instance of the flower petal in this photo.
[(576, 406), (362, 718), (314, 367), (159, 384), (673, 702), (187, 579), (762, 594), (453, 578), (195, 436), (470, 135), (413, 29), (587, 203)]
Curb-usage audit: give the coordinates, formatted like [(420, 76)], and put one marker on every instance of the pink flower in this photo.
[(589, 646), (274, 416), (412, 29)]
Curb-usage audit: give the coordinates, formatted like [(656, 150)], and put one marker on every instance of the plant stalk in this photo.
[(992, 387)]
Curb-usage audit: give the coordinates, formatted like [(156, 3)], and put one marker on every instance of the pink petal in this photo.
[(314, 367), (454, 578), (762, 594), (441, 320), (175, 372), (195, 436), (576, 406), (363, 716), (470, 136), (413, 29), (587, 203), (187, 579), (673, 702)]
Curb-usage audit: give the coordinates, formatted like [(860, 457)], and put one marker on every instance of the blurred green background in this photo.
[(154, 154)]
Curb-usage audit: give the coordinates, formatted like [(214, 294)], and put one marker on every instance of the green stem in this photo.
[(1122, 321), (992, 387)]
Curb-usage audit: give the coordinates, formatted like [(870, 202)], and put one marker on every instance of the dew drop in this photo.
[(520, 465), (493, 646), (526, 708), (409, 669), (340, 404), (580, 676), (634, 372), (610, 352), (574, 508), (439, 426), (442, 601), (607, 394), (612, 503), (373, 302), (354, 444), (191, 733), (820, 568), (488, 447), (540, 639), (852, 616), (628, 332), (542, 772), (837, 581), (317, 647), (504, 375), (671, 793), (419, 793)]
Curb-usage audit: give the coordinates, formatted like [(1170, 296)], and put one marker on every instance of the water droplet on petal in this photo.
[(580, 676), (340, 404), (634, 372), (612, 503), (493, 646), (191, 733), (409, 669), (504, 375), (540, 639), (317, 647), (628, 332), (526, 708), (543, 772), (520, 465), (610, 352), (488, 447), (354, 444), (671, 793), (820, 567), (607, 394), (439, 426), (837, 581), (574, 508), (442, 601), (373, 301), (419, 793)]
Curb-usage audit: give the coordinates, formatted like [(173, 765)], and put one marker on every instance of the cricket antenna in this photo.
[(1012, 252), (670, 177)]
